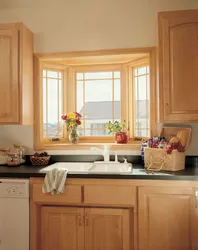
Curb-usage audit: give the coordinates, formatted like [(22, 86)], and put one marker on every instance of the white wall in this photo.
[(64, 25)]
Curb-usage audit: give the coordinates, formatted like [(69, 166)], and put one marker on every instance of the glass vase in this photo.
[(73, 136)]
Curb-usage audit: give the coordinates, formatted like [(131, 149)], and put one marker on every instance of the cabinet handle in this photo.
[(79, 218), (167, 108), (196, 199), (86, 220)]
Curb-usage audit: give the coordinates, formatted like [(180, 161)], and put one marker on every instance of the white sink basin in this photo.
[(111, 168), (73, 167), (91, 168)]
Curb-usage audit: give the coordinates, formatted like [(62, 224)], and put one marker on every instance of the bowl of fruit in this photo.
[(40, 159)]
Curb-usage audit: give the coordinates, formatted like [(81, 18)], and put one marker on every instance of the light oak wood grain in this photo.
[(178, 62), (165, 218), (16, 74)]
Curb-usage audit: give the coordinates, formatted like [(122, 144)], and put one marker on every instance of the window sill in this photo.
[(131, 145)]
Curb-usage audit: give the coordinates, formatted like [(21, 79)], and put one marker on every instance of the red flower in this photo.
[(77, 114), (64, 117), (78, 122)]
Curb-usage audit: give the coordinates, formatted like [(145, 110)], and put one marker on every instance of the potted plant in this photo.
[(119, 130)]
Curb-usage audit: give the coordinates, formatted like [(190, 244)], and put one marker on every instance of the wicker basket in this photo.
[(39, 161), (157, 159)]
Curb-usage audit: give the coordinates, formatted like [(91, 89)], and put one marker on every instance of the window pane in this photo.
[(52, 106), (141, 102), (98, 75), (117, 95), (142, 70), (79, 76), (52, 74), (44, 73), (100, 104), (117, 74), (99, 90), (79, 97)]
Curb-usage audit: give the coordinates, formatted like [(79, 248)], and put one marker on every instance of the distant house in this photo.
[(98, 113)]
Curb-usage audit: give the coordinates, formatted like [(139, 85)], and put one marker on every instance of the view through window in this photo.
[(98, 100), (141, 102), (52, 103)]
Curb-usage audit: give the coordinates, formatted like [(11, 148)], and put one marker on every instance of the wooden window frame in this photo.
[(41, 61)]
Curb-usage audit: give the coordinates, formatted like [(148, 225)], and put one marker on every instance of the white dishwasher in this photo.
[(14, 214)]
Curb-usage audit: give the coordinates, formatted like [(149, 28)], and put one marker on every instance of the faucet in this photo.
[(105, 152)]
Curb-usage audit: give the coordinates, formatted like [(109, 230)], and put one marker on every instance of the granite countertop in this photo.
[(26, 171)]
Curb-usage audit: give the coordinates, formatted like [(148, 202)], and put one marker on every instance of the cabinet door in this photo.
[(9, 76), (178, 63), (196, 221), (62, 228), (106, 229), (165, 218)]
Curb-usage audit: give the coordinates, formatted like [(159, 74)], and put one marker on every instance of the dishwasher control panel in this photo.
[(14, 188)]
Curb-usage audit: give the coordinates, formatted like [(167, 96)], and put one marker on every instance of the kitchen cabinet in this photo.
[(166, 218), (73, 228), (61, 228), (195, 238), (74, 220), (106, 229), (16, 74), (178, 63)]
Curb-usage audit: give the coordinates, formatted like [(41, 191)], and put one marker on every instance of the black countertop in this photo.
[(26, 171)]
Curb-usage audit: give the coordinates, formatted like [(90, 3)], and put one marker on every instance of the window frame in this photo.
[(41, 61)]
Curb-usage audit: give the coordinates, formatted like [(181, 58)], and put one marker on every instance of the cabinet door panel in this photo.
[(62, 228), (9, 76), (106, 229), (178, 63), (165, 218), (196, 222)]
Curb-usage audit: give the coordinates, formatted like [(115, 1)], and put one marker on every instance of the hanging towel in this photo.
[(54, 181)]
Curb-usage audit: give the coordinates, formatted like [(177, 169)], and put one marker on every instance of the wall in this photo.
[(64, 25)]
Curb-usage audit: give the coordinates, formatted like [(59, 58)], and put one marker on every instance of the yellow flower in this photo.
[(71, 115), (72, 124)]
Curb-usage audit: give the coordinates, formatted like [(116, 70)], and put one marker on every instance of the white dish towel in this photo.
[(54, 181)]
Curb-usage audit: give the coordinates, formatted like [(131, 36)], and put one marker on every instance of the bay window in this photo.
[(115, 89)]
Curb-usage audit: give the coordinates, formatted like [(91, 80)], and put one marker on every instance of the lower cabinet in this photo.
[(73, 228), (61, 228), (195, 247), (166, 218)]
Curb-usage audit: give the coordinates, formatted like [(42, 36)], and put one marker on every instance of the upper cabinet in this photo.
[(178, 64), (16, 74)]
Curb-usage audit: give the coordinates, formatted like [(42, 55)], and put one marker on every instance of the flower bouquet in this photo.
[(72, 120)]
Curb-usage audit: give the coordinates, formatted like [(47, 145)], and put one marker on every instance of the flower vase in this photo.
[(73, 136)]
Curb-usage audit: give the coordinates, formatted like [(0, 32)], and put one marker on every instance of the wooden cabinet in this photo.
[(178, 63), (67, 222), (195, 238), (106, 229), (61, 228), (73, 228), (166, 217), (16, 74)]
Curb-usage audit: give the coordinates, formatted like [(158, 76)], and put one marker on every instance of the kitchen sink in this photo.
[(73, 167), (91, 168), (111, 168)]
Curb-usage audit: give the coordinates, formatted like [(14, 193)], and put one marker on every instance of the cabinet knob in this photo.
[(86, 220), (79, 218)]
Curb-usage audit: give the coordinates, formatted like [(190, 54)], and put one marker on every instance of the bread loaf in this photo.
[(182, 135)]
